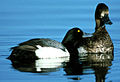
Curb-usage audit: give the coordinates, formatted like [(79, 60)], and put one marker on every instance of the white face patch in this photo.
[(103, 13)]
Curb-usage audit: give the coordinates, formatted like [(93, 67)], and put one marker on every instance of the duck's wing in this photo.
[(43, 43)]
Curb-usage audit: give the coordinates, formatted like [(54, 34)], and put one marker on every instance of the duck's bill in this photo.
[(106, 20)]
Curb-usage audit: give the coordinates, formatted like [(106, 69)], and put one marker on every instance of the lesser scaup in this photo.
[(44, 48), (100, 41)]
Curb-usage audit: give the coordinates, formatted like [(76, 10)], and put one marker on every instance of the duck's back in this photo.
[(43, 43)]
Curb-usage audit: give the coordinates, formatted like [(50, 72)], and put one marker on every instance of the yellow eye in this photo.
[(78, 30)]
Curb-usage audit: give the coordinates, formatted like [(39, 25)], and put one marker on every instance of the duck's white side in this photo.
[(50, 52)]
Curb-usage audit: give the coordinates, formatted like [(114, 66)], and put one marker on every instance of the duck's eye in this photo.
[(78, 30)]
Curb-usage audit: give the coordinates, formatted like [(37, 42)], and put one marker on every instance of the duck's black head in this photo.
[(72, 38), (102, 15)]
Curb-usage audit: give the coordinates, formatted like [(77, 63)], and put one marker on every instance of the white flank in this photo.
[(82, 50), (50, 52)]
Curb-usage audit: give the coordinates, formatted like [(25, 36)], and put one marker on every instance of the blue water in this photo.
[(21, 20)]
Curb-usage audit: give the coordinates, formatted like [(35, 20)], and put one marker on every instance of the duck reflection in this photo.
[(74, 66), (100, 73), (40, 65), (98, 63)]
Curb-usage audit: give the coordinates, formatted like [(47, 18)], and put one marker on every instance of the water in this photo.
[(21, 20)]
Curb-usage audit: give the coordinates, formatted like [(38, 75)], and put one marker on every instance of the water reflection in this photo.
[(74, 67), (100, 73), (40, 65), (98, 63)]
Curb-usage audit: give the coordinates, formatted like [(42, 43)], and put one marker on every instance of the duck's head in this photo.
[(72, 37), (102, 15)]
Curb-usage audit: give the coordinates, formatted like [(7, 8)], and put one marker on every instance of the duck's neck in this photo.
[(99, 24)]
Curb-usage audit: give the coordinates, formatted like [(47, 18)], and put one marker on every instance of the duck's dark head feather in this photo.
[(102, 15), (72, 39)]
